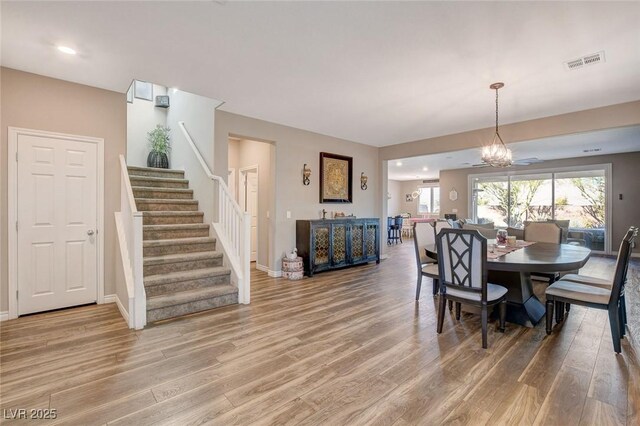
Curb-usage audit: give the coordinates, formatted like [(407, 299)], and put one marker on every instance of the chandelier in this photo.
[(497, 154)]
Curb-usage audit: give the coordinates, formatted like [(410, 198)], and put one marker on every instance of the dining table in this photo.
[(514, 269)]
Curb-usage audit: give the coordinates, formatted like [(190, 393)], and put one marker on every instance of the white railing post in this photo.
[(140, 297), (245, 255), (132, 222)]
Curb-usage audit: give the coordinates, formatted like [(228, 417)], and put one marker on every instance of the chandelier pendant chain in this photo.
[(497, 154)]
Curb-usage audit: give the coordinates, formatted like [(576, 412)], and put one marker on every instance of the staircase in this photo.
[(183, 272)]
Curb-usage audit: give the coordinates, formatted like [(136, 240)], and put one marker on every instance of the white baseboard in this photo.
[(4, 315), (113, 298), (109, 298), (384, 256), (271, 273)]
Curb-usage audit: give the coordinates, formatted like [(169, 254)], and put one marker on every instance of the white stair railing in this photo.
[(129, 222), (231, 226)]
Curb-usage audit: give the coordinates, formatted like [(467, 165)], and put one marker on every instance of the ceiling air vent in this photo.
[(591, 150), (592, 59)]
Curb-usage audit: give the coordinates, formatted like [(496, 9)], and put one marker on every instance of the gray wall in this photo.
[(625, 181), (293, 148), (42, 103)]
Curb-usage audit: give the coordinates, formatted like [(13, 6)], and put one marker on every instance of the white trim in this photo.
[(113, 298), (4, 316), (607, 167), (271, 273), (12, 184), (242, 171), (384, 256)]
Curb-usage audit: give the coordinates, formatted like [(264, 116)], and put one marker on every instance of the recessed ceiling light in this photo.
[(424, 169), (67, 50), (398, 163)]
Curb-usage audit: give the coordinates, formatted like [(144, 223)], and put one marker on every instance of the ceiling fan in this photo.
[(522, 162)]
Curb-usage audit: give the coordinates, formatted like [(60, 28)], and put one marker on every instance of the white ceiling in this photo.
[(379, 73), (610, 141)]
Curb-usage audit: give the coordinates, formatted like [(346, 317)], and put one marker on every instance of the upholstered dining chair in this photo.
[(607, 284), (423, 235), (608, 299), (488, 233), (543, 232), (441, 224), (462, 265)]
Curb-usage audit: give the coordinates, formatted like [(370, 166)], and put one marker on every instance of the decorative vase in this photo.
[(158, 160), (501, 237)]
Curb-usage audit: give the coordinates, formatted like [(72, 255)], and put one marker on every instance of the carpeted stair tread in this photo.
[(152, 169), (158, 179), (182, 297), (166, 200), (186, 275), (159, 189), (175, 226), (182, 257), (172, 213), (175, 241)]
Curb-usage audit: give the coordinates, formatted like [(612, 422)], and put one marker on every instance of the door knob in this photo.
[(90, 232)]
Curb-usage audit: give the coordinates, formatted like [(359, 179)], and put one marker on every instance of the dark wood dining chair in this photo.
[(423, 235), (608, 284), (563, 291), (462, 265)]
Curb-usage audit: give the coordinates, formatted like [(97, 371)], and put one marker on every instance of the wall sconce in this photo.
[(306, 172), (363, 181)]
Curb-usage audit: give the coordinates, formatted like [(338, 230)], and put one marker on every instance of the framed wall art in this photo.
[(336, 178)]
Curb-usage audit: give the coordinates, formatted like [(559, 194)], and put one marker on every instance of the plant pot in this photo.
[(158, 160)]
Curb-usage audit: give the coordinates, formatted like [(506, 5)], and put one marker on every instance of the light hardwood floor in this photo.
[(346, 347)]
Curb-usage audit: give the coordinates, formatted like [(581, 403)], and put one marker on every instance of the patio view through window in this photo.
[(576, 196), (429, 200)]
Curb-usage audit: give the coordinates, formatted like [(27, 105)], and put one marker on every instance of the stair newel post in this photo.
[(245, 256), (140, 298)]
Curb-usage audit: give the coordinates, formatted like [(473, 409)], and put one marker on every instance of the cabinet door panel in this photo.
[(357, 242), (339, 245), (371, 240), (321, 246)]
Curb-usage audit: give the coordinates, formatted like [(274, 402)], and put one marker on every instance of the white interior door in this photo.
[(252, 200), (249, 203), (232, 184), (57, 217)]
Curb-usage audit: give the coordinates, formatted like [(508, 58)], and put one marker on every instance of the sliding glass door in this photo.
[(578, 196)]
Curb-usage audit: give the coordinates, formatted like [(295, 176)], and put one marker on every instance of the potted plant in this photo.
[(159, 142)]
